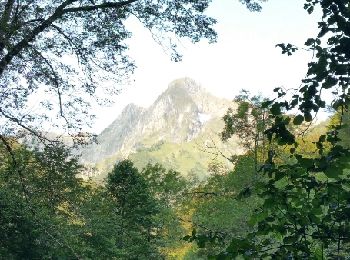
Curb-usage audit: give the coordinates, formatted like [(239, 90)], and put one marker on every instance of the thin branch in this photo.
[(55, 79), (9, 149), (15, 50), (216, 152), (30, 130), (106, 5), (34, 21), (216, 232), (59, 12), (65, 36), (203, 193)]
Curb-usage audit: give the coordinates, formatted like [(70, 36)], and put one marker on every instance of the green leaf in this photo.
[(266, 104), (334, 172), (322, 138), (308, 116), (298, 120), (275, 109)]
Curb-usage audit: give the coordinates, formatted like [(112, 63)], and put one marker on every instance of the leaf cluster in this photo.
[(305, 212)]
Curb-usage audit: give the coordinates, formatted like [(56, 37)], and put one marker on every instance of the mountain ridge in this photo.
[(180, 115)]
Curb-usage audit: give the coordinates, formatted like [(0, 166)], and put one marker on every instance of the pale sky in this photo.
[(245, 55)]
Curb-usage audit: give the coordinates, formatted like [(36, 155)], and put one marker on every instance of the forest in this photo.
[(286, 197)]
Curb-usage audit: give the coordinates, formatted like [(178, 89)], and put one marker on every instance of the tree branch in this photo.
[(105, 5), (4, 23), (59, 12), (18, 122), (7, 12), (15, 50), (55, 79)]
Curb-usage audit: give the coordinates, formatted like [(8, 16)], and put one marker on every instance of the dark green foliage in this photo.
[(37, 199), (18, 232), (136, 208), (130, 191), (287, 48), (47, 212), (167, 187), (144, 206), (253, 5), (305, 214)]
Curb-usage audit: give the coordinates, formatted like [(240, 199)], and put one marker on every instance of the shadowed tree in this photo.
[(136, 208)]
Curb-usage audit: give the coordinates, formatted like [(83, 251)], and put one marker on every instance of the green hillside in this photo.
[(189, 158)]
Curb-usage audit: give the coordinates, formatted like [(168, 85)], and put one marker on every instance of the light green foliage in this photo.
[(183, 157), (248, 123), (344, 134), (190, 157), (223, 207)]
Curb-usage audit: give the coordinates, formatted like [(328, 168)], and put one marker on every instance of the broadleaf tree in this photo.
[(137, 208), (248, 122), (305, 214), (61, 55)]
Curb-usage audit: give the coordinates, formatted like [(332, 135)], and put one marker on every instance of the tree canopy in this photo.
[(305, 214), (63, 51), (59, 56)]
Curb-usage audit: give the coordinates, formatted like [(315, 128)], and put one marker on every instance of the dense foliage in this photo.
[(305, 214), (46, 212), (57, 55), (293, 204), (222, 207)]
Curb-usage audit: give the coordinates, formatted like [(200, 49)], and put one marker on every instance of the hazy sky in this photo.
[(245, 55)]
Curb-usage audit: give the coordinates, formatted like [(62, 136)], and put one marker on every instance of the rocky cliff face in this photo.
[(115, 137), (180, 114)]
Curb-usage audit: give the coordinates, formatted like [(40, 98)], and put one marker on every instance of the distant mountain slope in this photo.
[(114, 138), (173, 130)]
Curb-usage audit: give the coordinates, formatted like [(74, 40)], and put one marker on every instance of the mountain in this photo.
[(115, 137), (174, 131)]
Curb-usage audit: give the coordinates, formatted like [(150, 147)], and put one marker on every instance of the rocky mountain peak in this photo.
[(180, 114), (131, 109), (189, 85)]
